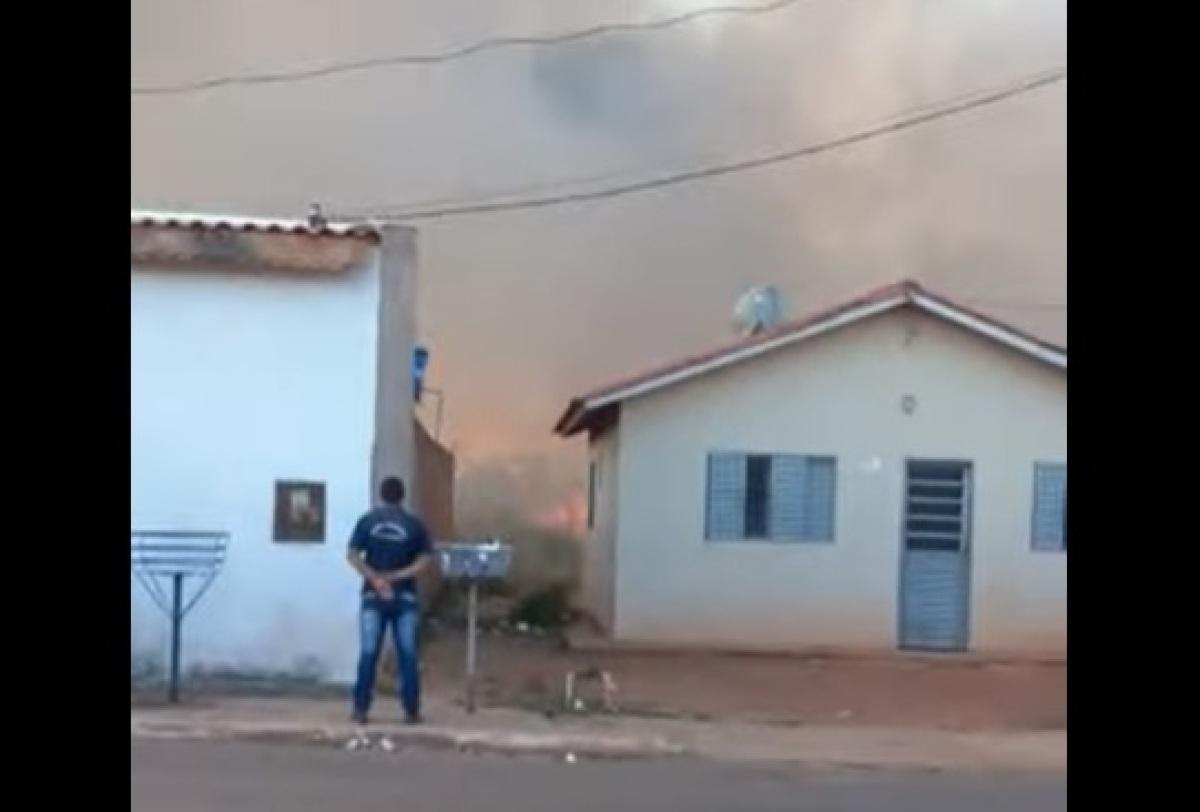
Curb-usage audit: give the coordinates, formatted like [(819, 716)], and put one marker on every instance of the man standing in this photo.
[(388, 548)]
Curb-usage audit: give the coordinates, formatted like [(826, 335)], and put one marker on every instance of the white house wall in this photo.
[(840, 395), (238, 381), (599, 549)]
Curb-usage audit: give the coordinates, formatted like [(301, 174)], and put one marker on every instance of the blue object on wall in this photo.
[(420, 362)]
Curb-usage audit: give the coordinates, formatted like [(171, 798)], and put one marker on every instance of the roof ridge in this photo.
[(146, 218), (905, 292)]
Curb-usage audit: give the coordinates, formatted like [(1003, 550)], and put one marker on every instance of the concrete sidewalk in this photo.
[(514, 731)]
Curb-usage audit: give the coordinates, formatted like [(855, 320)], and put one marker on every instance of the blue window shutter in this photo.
[(819, 498), (789, 477), (1049, 505), (726, 497), (802, 497)]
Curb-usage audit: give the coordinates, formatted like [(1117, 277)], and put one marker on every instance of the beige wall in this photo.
[(434, 500), (840, 394), (394, 443), (435, 484), (599, 549)]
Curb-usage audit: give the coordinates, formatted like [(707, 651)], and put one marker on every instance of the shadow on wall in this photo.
[(145, 666), (435, 499)]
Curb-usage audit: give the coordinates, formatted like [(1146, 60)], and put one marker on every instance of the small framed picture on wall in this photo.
[(299, 512)]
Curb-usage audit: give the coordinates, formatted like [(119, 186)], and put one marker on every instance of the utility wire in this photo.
[(398, 210), (940, 112), (486, 195), (494, 43)]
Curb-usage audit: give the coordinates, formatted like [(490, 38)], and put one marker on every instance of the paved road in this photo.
[(169, 776)]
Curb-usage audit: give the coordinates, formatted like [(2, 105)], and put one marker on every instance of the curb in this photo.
[(878, 751), (430, 737), (592, 644)]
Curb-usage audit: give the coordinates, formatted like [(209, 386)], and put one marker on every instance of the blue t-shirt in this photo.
[(391, 538)]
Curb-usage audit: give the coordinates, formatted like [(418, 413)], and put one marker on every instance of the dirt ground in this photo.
[(528, 673), (785, 690)]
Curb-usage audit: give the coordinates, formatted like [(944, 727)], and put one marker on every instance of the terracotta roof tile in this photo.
[(261, 225)]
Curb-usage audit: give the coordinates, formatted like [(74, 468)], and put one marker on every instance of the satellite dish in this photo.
[(758, 309)]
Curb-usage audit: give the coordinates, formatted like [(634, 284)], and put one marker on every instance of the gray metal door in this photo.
[(935, 566)]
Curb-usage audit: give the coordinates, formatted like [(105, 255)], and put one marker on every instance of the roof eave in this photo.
[(1039, 350), (567, 423), (143, 218), (586, 416)]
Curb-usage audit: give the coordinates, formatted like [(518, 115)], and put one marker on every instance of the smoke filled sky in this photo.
[(523, 309)]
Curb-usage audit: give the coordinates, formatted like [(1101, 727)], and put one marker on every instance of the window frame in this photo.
[(1034, 545), (767, 537)]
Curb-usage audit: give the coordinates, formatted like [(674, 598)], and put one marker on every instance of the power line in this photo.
[(561, 184), (494, 43), (485, 195), (943, 111)]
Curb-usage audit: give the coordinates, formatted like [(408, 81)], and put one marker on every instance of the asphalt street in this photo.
[(175, 776)]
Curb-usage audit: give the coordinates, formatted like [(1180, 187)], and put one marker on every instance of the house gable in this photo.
[(583, 412)]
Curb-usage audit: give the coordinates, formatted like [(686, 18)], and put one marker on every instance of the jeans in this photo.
[(403, 614)]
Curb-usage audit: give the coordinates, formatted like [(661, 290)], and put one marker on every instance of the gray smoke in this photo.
[(524, 309)]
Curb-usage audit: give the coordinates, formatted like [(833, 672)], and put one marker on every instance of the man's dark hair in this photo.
[(392, 490)]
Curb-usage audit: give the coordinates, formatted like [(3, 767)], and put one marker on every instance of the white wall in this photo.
[(840, 394), (238, 381), (599, 546)]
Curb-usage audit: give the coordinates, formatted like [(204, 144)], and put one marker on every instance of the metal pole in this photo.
[(472, 608), (176, 622)]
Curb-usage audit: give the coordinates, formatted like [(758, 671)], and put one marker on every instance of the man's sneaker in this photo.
[(359, 718), (412, 719)]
